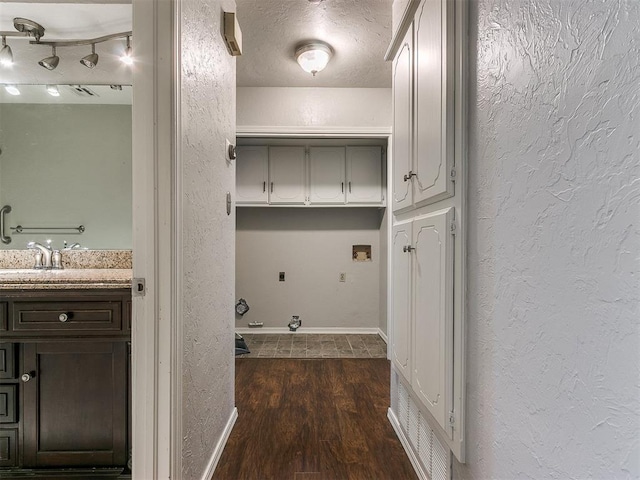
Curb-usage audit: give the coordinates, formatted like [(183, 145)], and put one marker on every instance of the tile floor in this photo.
[(301, 345)]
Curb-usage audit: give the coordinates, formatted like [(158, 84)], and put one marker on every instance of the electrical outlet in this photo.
[(343, 277), (281, 276)]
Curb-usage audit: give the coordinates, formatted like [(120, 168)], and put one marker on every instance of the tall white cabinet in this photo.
[(427, 238)]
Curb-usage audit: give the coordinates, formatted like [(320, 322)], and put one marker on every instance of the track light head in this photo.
[(90, 60), (127, 57), (50, 63), (6, 55)]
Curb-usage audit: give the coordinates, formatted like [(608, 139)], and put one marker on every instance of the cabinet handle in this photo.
[(63, 317), (349, 187), (271, 187), (264, 187), (408, 249), (408, 176), (26, 377), (342, 187)]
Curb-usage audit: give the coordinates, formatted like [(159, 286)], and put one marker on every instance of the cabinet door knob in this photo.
[(63, 317), (26, 377)]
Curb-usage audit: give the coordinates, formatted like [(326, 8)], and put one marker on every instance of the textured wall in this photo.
[(314, 107), (208, 234), (554, 192), (312, 246), (67, 165)]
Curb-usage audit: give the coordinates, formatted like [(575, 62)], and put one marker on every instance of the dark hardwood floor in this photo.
[(313, 419)]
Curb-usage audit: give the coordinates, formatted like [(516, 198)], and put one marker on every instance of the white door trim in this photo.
[(155, 419)]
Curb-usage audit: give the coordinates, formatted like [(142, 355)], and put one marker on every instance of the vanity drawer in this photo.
[(8, 447), (7, 361), (3, 316), (77, 317), (8, 403)]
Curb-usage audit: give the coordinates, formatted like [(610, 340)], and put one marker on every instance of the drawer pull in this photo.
[(63, 317), (26, 377)]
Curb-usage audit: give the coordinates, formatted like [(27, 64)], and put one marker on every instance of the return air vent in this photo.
[(82, 91), (434, 457)]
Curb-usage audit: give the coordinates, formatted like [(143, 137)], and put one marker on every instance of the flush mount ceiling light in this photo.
[(90, 60), (29, 28), (313, 57), (6, 55), (50, 63)]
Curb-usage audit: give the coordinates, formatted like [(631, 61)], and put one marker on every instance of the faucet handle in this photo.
[(38, 264), (56, 260)]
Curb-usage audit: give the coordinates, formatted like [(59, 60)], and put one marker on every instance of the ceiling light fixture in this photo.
[(53, 90), (29, 28), (12, 90), (126, 57), (313, 57), (90, 60), (6, 55), (50, 63)]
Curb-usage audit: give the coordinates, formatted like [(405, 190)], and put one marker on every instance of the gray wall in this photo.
[(553, 297), (67, 165), (312, 246), (208, 79)]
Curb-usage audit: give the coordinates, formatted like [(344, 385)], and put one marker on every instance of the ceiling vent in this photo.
[(82, 91)]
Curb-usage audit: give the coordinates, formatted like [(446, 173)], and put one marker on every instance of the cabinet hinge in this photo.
[(452, 419), (452, 174), (453, 227)]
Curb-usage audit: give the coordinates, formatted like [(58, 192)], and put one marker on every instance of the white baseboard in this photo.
[(383, 336), (217, 452), (422, 475), (311, 330)]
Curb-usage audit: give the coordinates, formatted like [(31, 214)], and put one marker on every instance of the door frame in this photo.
[(156, 325)]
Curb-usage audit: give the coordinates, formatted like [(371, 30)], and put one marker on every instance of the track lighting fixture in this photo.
[(126, 57), (6, 55), (29, 28), (50, 63), (90, 60)]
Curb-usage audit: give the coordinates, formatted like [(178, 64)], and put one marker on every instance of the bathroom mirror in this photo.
[(65, 165)]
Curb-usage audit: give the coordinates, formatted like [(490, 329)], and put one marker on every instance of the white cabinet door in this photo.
[(402, 121), (327, 183), (433, 314), (286, 175), (364, 175), (433, 121), (401, 306), (252, 174)]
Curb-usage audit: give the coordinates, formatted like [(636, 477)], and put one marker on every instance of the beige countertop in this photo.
[(80, 278)]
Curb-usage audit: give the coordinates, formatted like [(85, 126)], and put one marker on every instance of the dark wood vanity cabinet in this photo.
[(64, 381)]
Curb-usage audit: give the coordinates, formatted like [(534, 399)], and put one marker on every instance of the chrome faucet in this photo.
[(72, 246), (43, 255)]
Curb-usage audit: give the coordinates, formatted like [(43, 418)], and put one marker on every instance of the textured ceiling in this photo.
[(359, 32)]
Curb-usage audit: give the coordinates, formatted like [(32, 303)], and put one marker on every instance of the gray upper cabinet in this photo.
[(331, 175), (287, 175), (252, 174), (423, 93), (327, 175)]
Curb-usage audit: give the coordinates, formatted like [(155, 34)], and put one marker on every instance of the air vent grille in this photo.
[(434, 456), (82, 91)]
